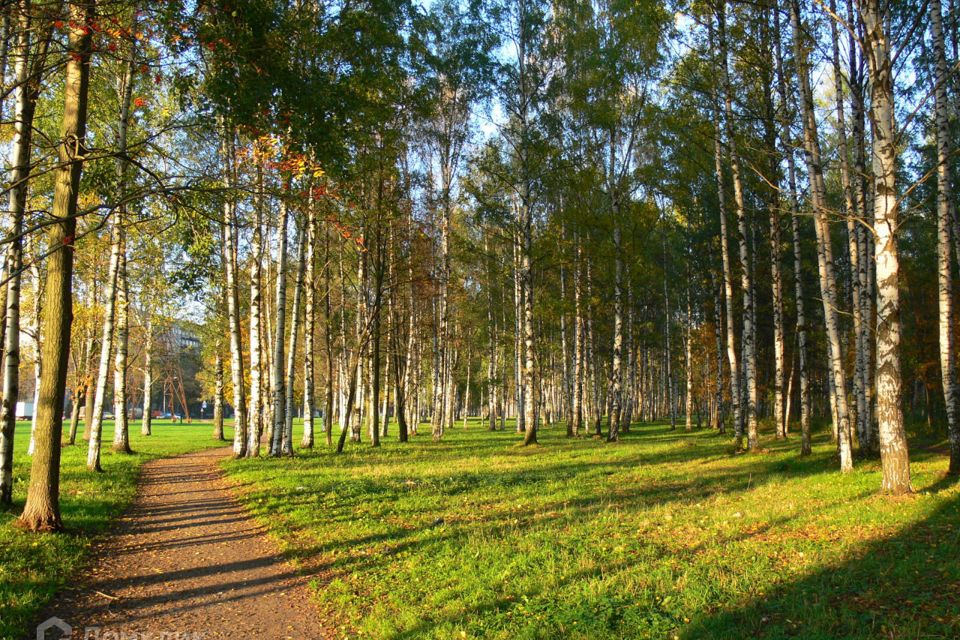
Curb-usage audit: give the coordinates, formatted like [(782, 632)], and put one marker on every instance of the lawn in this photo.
[(34, 566), (664, 535)]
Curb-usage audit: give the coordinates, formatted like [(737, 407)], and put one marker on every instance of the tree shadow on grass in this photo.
[(903, 586)]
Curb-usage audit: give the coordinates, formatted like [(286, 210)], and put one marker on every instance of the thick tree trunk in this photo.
[(894, 456), (42, 510)]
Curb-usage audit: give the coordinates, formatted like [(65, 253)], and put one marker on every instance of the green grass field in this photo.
[(34, 566), (664, 535)]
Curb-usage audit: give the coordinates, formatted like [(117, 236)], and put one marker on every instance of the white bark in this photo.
[(146, 418), (746, 282), (309, 326), (240, 423), (894, 456), (824, 252), (121, 432), (255, 429), (277, 383)]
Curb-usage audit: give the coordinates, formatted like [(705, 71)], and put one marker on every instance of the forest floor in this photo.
[(34, 567), (666, 534)]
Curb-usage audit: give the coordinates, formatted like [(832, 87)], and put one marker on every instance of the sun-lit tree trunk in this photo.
[(255, 428), (529, 344), (113, 275), (945, 213), (865, 275), (748, 335), (79, 390), (824, 252), (277, 382), (106, 344), (309, 325), (26, 94), (286, 442), (217, 394), (147, 417), (852, 214), (230, 232), (774, 206), (492, 338), (518, 291), (732, 357), (801, 328), (894, 456), (42, 510), (328, 342), (121, 425), (616, 373)]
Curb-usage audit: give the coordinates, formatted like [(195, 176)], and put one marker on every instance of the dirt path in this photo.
[(187, 562)]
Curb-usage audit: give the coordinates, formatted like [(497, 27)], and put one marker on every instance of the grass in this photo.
[(664, 535), (34, 566)]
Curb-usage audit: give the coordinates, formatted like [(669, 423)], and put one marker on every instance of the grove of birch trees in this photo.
[(383, 217)]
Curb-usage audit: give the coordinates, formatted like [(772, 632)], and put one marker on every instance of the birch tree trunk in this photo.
[(42, 509), (824, 252), (801, 328), (852, 214), (240, 423), (286, 442), (732, 358), (147, 418), (773, 209), (945, 213), (529, 345), (277, 383), (25, 107), (116, 260), (106, 344), (746, 282), (254, 432), (894, 457), (217, 395), (616, 373), (309, 326), (121, 428)]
